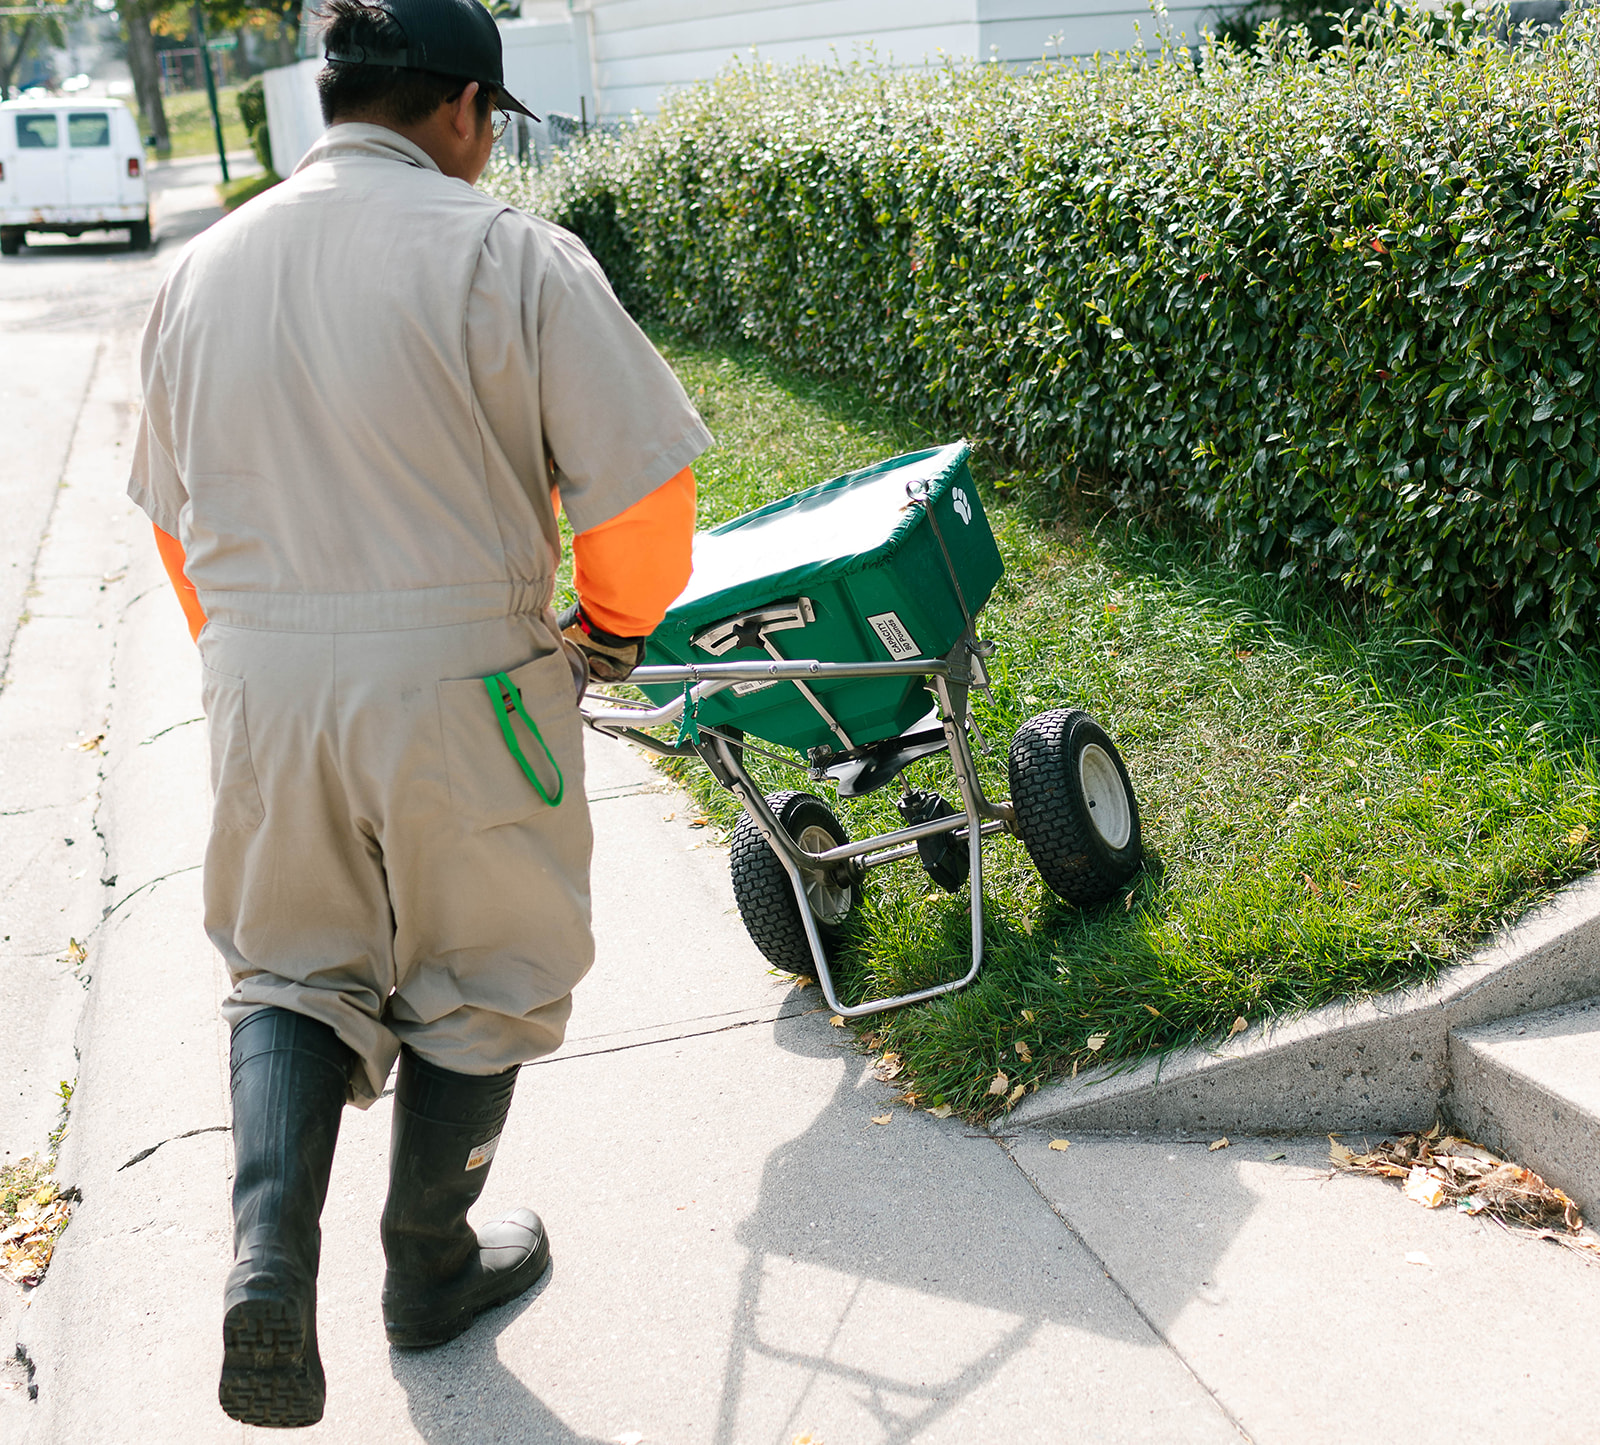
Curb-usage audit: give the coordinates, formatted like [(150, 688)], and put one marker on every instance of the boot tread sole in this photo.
[(267, 1377)]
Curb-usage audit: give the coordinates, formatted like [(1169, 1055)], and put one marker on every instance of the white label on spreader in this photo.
[(744, 689), (481, 1155), (892, 633)]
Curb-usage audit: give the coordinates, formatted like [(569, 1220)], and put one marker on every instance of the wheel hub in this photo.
[(830, 901), (1109, 808)]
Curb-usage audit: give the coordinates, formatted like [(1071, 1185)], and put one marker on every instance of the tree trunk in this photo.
[(146, 74), (8, 66)]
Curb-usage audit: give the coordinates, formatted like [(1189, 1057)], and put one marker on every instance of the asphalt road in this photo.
[(70, 316)]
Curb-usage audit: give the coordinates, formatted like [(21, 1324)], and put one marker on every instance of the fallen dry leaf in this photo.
[(1578, 836), (92, 745), (1000, 1083), (1416, 1256), (1441, 1168), (1015, 1094), (1024, 1052), (1216, 1144), (882, 1118), (1061, 1145), (1095, 1042), (1028, 1016), (76, 952), (1424, 1187), (888, 1067), (668, 817), (631, 1437), (941, 1111), (837, 1021), (1273, 1158), (1240, 1024)]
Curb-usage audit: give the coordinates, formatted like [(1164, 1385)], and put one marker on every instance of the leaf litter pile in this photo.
[(1438, 1169), (33, 1212)]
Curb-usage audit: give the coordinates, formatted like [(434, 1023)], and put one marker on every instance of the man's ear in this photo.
[(464, 119)]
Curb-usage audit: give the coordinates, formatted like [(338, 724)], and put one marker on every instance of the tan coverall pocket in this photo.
[(235, 794), (487, 786)]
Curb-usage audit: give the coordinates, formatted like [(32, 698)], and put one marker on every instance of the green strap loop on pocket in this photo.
[(504, 696)]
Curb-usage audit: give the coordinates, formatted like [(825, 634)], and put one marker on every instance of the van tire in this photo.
[(139, 235), (10, 240)]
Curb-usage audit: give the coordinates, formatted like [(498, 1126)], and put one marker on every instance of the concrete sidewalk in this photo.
[(741, 1254)]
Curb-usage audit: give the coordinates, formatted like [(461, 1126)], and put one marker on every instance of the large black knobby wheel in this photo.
[(765, 896), (139, 235), (10, 241), (1075, 809)]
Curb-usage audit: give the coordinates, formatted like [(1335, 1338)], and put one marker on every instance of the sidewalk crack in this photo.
[(671, 1039), (192, 868), (172, 728), (1121, 1289), (144, 1154)]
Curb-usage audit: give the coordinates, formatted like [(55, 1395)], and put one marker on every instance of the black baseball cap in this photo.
[(457, 38)]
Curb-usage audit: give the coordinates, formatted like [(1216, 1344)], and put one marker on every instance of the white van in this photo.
[(71, 167)]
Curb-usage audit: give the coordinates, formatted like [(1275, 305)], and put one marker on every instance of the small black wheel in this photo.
[(10, 240), (1075, 809), (765, 896), (139, 235)]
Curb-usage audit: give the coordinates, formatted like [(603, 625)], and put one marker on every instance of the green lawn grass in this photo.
[(1332, 804), (189, 122), (244, 188)]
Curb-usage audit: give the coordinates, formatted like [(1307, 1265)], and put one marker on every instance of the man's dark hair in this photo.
[(385, 92)]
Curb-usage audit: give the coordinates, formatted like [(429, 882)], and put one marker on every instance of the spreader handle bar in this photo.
[(784, 671)]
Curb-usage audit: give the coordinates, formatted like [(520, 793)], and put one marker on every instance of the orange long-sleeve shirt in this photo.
[(626, 571)]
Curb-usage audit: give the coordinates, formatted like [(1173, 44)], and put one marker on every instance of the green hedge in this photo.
[(253, 112), (1342, 305)]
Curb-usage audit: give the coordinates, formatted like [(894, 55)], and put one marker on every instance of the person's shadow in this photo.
[(924, 1223), (462, 1392)]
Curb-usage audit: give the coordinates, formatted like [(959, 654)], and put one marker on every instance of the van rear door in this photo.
[(41, 179), (92, 180)]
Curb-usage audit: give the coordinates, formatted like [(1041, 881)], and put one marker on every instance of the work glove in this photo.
[(610, 658)]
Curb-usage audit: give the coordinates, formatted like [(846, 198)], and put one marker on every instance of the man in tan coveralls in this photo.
[(361, 392)]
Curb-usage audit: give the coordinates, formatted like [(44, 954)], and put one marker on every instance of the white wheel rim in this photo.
[(829, 902), (1109, 807)]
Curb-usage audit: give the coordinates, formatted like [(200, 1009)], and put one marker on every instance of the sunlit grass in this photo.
[(1332, 805)]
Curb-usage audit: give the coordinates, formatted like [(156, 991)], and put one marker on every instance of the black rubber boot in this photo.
[(441, 1272), (290, 1074)]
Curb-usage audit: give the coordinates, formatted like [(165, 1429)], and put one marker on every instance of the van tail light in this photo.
[(133, 168)]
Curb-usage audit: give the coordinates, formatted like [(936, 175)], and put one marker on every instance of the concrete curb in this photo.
[(147, 1137), (1381, 1064)]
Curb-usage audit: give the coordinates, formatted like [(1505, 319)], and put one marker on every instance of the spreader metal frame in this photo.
[(949, 679)]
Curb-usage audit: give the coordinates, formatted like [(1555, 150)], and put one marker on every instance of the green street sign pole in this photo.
[(211, 88)]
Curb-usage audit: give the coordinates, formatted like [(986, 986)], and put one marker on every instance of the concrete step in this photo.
[(1528, 1087)]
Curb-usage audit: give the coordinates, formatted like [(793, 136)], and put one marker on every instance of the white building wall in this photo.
[(1020, 32), (542, 64), (294, 117), (642, 48)]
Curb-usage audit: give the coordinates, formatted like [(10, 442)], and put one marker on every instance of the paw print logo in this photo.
[(963, 506)]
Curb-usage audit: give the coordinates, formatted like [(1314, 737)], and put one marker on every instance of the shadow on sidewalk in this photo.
[(462, 1391), (852, 1273)]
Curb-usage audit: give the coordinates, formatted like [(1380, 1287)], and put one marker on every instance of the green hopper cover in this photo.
[(861, 551)]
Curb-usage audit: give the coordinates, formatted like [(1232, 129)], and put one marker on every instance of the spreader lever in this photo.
[(750, 629)]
